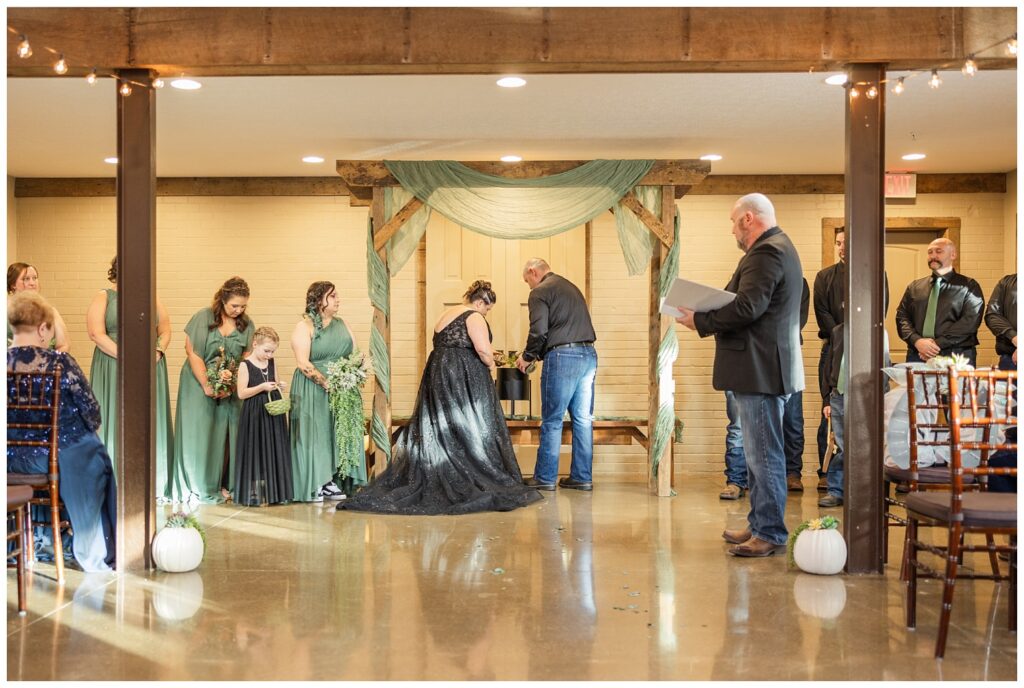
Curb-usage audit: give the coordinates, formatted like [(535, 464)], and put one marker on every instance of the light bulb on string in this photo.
[(935, 81), (970, 67), (62, 65), (126, 89), (91, 78), (872, 92), (1011, 46), (854, 92), (24, 48), (899, 87), (158, 83)]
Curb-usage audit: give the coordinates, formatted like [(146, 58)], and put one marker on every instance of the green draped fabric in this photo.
[(635, 238), (662, 427), (403, 244), (519, 208)]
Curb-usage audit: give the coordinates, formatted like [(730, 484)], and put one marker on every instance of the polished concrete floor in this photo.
[(614, 584)]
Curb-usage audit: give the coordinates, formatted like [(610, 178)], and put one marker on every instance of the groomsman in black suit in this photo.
[(1001, 318), (940, 314), (758, 359)]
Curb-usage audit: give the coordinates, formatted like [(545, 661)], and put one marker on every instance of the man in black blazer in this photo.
[(758, 359), (940, 314)]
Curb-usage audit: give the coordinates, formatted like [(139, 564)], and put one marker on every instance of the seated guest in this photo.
[(86, 474)]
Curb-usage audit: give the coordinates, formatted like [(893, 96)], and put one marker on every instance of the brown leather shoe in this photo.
[(756, 547), (736, 537), (731, 491), (793, 483)]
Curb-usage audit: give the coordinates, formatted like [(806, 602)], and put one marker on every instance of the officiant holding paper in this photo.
[(757, 358)]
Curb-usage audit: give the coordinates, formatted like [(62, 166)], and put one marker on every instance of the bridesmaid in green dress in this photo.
[(318, 339), (101, 323), (25, 277), (204, 453)]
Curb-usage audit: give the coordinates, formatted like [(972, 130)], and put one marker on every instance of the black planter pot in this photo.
[(513, 385)]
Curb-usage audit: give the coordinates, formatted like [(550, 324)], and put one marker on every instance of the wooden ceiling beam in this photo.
[(207, 41)]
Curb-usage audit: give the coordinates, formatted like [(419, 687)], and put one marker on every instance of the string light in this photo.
[(126, 89), (91, 78), (62, 65), (935, 81), (1011, 45), (158, 83), (970, 67), (25, 49), (872, 92), (899, 87), (854, 93)]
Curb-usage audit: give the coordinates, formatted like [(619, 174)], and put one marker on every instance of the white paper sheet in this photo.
[(694, 296)]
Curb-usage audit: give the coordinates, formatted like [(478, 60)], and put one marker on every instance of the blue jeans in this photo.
[(826, 351), (761, 419), (793, 439), (567, 384), (88, 492), (835, 468)]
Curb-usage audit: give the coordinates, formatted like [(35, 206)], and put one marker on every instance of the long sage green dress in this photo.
[(315, 454), (205, 428), (103, 378)]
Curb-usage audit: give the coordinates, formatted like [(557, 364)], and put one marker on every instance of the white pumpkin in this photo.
[(820, 596), (178, 549), (178, 597), (820, 551)]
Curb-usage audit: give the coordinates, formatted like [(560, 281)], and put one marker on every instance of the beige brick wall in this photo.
[(280, 245)]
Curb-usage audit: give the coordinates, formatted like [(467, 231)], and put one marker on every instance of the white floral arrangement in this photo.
[(348, 372), (957, 362), (345, 377)]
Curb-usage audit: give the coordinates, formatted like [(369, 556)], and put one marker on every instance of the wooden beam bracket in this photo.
[(649, 219), (381, 238)]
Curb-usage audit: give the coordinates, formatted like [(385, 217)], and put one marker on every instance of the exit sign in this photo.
[(900, 185)]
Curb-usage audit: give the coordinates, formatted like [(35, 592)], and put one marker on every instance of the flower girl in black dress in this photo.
[(263, 464)]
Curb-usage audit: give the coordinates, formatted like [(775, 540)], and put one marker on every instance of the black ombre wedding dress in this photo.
[(455, 455)]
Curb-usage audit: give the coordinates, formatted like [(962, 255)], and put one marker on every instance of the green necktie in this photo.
[(841, 385), (928, 330)]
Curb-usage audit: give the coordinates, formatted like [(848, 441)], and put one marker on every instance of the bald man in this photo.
[(758, 359), (940, 314)]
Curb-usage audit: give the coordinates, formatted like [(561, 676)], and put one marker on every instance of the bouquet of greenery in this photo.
[(345, 377), (505, 359), (222, 374)]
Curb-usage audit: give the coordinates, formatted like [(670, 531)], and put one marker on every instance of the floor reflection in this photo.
[(611, 585)]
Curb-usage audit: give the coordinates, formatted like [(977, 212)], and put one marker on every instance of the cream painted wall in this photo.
[(12, 223), (280, 245)]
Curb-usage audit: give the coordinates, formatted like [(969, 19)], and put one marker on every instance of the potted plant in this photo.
[(817, 546), (180, 544), (513, 385)]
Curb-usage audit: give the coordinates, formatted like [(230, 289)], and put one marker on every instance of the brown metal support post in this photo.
[(865, 327), (136, 318)]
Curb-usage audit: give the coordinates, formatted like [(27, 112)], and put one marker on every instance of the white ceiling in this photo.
[(262, 126)]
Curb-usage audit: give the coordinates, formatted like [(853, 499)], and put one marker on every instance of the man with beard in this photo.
[(758, 359), (940, 314)]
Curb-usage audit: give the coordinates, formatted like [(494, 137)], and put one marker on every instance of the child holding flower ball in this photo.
[(263, 462)]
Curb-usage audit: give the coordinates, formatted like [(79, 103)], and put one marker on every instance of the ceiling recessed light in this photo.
[(511, 82), (111, 161), (836, 80), (914, 156), (713, 157), (186, 84), (511, 158), (312, 159)]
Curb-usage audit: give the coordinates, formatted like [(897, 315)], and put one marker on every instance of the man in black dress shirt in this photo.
[(829, 311), (940, 314), (1001, 318), (562, 334), (758, 359)]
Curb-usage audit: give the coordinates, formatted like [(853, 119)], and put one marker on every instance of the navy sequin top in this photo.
[(79, 411)]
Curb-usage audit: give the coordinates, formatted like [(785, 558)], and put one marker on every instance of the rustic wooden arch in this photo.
[(366, 181)]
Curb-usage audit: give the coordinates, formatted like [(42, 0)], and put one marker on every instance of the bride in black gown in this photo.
[(455, 455)]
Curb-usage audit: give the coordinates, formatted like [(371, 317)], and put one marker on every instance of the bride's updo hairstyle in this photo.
[(482, 291)]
